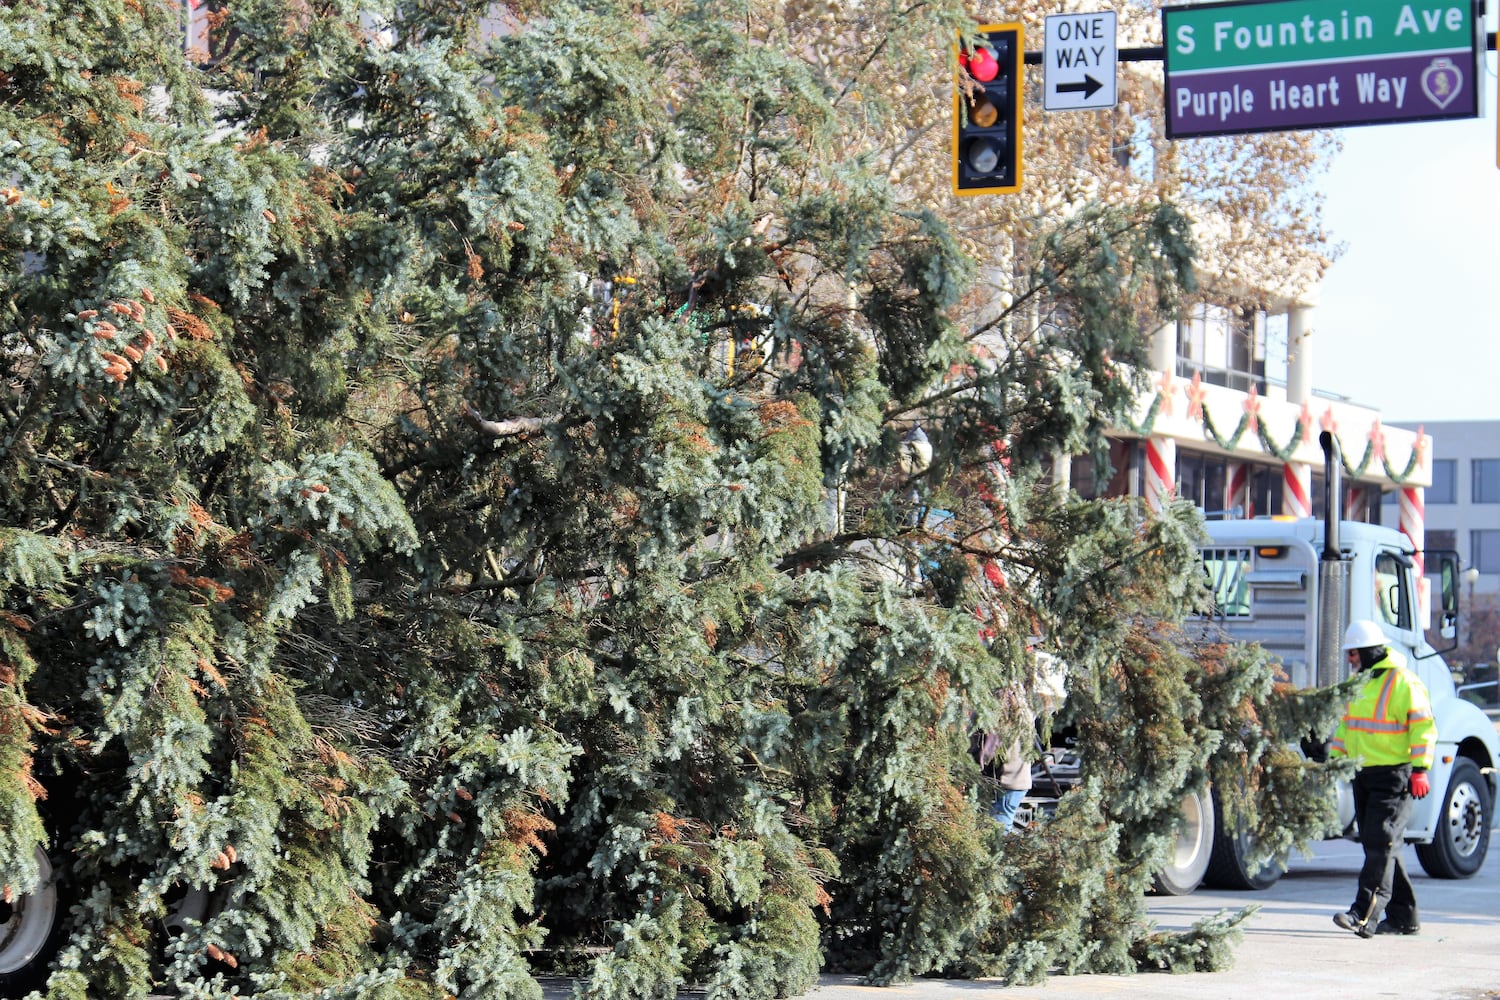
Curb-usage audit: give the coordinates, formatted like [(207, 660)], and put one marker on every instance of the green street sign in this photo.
[(1292, 64)]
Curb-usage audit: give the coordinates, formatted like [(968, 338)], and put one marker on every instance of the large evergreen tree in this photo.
[(460, 518)]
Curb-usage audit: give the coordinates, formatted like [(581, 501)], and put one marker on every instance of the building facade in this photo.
[(1463, 514), (1463, 500), (1232, 423)]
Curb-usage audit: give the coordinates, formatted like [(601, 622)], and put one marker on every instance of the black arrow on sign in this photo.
[(1088, 85)]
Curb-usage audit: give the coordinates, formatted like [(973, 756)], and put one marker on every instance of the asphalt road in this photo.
[(1291, 950)]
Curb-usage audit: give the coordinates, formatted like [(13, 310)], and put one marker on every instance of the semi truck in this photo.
[(1293, 586)]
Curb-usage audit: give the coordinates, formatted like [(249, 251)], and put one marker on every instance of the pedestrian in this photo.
[(1010, 774), (1013, 773), (1388, 729)]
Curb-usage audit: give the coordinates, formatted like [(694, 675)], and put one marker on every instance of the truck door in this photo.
[(1395, 598)]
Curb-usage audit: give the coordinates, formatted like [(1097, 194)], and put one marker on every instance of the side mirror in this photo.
[(1445, 563)]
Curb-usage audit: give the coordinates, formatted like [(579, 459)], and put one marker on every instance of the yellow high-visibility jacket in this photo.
[(1390, 719)]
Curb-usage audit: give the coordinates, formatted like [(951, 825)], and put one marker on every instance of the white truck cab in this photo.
[(1272, 586), (1293, 586)]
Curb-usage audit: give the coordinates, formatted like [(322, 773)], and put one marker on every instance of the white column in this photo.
[(1298, 355), (1164, 348), (1296, 477)]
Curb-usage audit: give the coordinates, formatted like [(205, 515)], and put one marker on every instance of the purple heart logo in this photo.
[(1441, 81)]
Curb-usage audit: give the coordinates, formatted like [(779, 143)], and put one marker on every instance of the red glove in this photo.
[(1420, 786)]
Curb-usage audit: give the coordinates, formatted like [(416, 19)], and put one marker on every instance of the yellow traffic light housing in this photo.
[(987, 112)]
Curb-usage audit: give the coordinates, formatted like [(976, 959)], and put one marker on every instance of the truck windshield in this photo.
[(1225, 573)]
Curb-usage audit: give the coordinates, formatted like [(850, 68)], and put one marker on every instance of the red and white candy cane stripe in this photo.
[(1161, 471), (1414, 527), (1237, 489), (1414, 522), (1296, 489)]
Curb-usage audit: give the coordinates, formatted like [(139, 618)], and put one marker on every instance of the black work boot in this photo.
[(1351, 921), (1389, 926), (1399, 919)]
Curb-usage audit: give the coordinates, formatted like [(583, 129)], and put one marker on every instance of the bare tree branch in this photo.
[(514, 427)]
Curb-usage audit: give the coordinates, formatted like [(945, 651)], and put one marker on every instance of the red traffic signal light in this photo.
[(981, 64), (987, 112)]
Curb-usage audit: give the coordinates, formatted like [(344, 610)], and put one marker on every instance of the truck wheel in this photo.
[(1188, 861), (31, 932), (1229, 863), (1462, 837)]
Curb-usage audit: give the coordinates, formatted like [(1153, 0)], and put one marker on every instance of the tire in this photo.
[(1228, 864), (31, 933), (1462, 838), (1188, 861)]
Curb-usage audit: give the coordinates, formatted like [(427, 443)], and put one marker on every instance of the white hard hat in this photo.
[(1363, 633)]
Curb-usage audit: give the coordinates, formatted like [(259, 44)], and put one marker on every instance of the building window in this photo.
[(1226, 346), (1200, 478), (1486, 473), (1484, 550), (1190, 478), (1444, 488), (1362, 503), (1120, 477), (1266, 489), (1440, 541)]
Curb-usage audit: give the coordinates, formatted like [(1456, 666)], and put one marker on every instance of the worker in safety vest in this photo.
[(1388, 729)]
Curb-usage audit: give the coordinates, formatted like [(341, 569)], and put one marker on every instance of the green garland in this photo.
[(1149, 422), (1282, 452)]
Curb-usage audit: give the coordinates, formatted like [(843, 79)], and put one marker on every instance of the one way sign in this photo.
[(1079, 63)]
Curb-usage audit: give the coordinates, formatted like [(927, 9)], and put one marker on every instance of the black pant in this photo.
[(1383, 805)]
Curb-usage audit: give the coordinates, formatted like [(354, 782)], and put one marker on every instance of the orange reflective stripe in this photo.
[(1382, 704)]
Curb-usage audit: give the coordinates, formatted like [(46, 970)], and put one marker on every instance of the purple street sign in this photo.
[(1268, 65), (1328, 95)]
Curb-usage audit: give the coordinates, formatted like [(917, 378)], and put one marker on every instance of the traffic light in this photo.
[(987, 112)]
